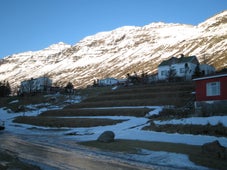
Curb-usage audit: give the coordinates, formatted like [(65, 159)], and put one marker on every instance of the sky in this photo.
[(31, 25)]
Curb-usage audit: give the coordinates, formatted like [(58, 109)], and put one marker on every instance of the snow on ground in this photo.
[(213, 120), (14, 101), (177, 161), (131, 128)]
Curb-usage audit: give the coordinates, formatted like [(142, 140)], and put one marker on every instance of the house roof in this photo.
[(210, 77), (174, 60), (108, 78)]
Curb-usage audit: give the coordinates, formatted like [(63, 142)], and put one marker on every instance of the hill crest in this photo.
[(118, 52)]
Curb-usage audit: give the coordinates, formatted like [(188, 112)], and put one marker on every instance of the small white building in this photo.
[(206, 69), (183, 67), (122, 82), (108, 82), (36, 85)]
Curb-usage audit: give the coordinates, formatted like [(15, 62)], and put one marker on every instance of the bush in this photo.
[(5, 89), (208, 129)]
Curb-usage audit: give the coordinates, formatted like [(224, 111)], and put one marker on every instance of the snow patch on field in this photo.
[(131, 128), (213, 120)]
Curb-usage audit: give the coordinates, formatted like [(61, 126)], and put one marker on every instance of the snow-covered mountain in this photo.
[(120, 51)]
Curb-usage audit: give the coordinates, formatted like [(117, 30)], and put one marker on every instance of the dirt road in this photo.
[(51, 153)]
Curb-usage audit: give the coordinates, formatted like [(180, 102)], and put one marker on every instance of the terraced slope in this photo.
[(177, 94)]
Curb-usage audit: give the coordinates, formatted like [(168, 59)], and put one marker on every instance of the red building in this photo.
[(212, 91), (211, 88)]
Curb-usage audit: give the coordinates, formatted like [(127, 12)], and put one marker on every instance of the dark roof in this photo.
[(174, 60)]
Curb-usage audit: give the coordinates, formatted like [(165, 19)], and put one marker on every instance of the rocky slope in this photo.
[(121, 51)]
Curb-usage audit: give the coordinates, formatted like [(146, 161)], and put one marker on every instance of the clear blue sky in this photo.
[(29, 25)]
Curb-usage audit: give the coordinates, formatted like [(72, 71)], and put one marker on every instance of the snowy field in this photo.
[(129, 129), (213, 120)]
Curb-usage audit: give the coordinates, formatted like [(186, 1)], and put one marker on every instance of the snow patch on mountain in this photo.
[(118, 52)]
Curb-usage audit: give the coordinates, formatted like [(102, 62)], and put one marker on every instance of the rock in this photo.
[(20, 108), (214, 149), (106, 137)]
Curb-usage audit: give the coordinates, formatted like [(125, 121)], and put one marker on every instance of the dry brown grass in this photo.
[(137, 112), (65, 122), (141, 95), (211, 130)]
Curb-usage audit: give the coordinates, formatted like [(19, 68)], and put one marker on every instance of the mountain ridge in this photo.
[(118, 52)]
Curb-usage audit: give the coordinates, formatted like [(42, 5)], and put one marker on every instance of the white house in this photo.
[(206, 69), (108, 82), (35, 85), (183, 67), (122, 81)]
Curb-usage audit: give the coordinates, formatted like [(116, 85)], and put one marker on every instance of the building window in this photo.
[(164, 73), (182, 70), (213, 89)]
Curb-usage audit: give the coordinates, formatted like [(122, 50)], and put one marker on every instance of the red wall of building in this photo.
[(201, 89)]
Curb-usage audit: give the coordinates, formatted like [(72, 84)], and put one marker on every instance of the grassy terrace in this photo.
[(137, 112), (55, 118), (162, 94), (65, 122), (157, 94), (142, 95)]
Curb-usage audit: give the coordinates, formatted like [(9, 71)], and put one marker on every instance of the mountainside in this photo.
[(121, 51)]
